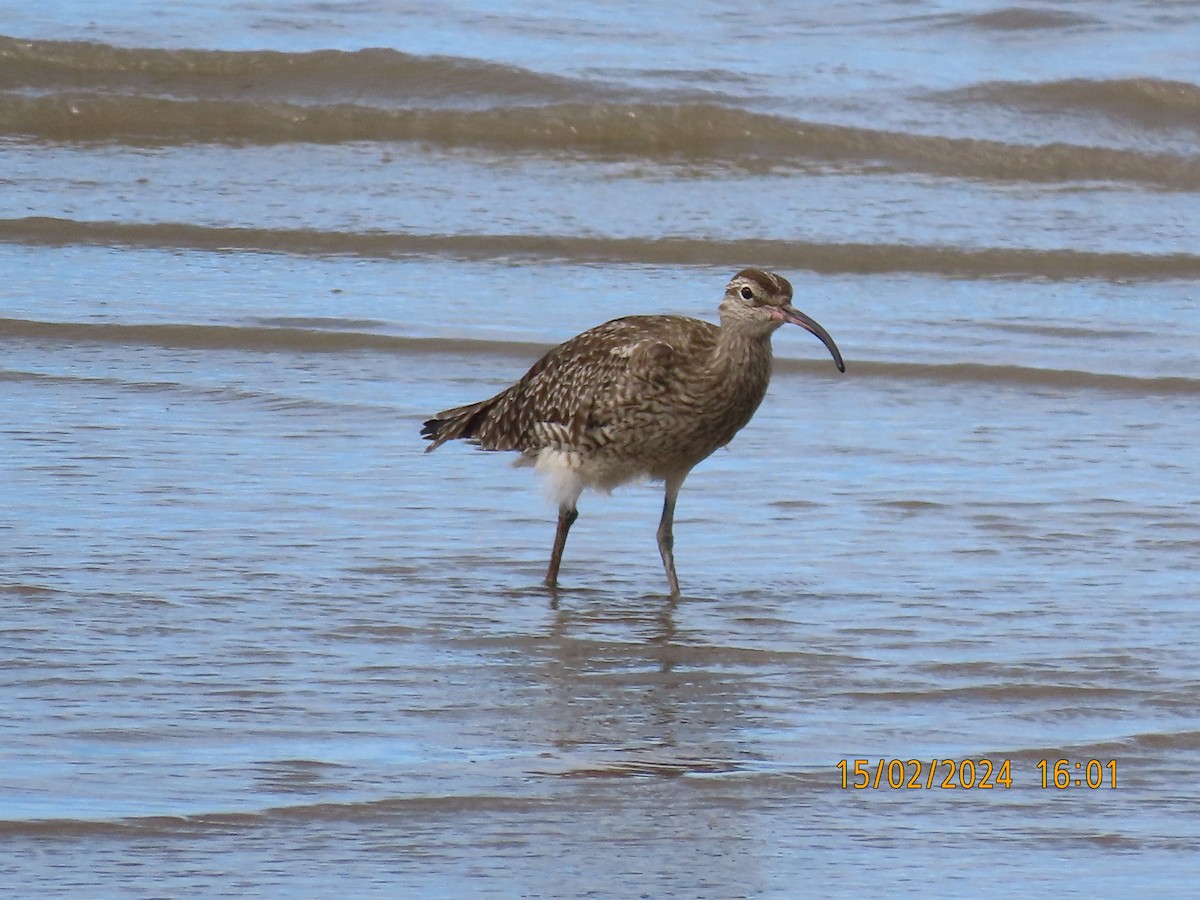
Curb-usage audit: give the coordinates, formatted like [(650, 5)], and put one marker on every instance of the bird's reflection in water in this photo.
[(628, 688)]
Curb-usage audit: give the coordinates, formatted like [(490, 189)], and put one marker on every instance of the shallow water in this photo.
[(255, 641)]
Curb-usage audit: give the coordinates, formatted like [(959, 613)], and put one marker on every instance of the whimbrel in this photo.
[(637, 397)]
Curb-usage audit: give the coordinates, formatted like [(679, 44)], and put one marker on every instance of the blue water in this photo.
[(256, 642)]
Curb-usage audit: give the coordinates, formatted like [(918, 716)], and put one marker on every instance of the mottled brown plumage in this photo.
[(637, 397)]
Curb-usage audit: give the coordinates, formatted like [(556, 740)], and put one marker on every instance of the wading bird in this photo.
[(637, 397)]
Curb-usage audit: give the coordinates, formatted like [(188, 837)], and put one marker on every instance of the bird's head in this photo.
[(761, 301)]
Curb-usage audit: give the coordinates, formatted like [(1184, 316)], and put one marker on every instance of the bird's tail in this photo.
[(460, 422)]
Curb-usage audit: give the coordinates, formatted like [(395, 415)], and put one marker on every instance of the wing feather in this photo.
[(585, 390)]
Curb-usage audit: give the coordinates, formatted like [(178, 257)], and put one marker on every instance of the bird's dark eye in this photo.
[(747, 294)]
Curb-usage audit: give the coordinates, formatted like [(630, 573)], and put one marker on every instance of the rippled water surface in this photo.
[(255, 642)]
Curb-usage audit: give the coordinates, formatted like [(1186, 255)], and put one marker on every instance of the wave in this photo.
[(1143, 102), (1019, 18), (327, 339), (223, 823), (1026, 376), (65, 91), (691, 132), (377, 74), (1144, 751), (252, 338), (825, 258)]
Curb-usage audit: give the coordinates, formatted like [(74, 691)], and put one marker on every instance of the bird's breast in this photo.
[(694, 411)]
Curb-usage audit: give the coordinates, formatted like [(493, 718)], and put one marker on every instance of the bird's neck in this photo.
[(743, 356), (740, 346)]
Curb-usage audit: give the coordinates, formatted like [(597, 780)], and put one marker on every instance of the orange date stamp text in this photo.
[(971, 774)]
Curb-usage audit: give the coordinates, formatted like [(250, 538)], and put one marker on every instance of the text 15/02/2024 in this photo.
[(972, 774)]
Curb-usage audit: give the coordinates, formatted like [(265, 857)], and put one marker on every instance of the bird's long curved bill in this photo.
[(795, 317)]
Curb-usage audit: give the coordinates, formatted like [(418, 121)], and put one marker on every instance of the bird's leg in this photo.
[(666, 533), (566, 518)]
